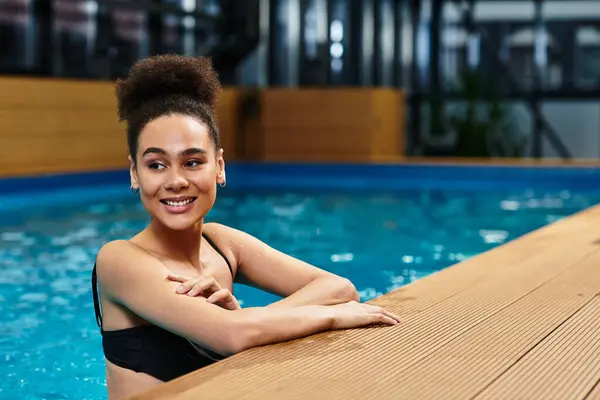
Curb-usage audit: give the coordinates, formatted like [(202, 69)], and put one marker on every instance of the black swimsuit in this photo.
[(151, 349)]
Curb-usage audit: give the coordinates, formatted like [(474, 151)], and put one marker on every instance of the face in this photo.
[(177, 170)]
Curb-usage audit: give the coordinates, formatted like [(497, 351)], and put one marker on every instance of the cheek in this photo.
[(205, 181), (149, 183), (207, 191)]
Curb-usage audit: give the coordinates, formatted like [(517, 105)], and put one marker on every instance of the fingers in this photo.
[(220, 295), (194, 287), (177, 278), (392, 315), (385, 316), (206, 286), (384, 319), (224, 297), (186, 286), (381, 310)]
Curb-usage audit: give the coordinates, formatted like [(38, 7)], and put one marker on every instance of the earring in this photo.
[(134, 189), (223, 184)]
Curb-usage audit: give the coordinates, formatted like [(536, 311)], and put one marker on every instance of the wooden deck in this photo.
[(521, 321)]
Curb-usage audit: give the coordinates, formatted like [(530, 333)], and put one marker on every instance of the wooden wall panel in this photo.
[(53, 126), (331, 124), (389, 110), (227, 119)]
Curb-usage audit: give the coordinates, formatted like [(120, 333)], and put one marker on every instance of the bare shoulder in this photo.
[(233, 240), (216, 228), (224, 236), (119, 262), (115, 254), (114, 251), (241, 244), (226, 233)]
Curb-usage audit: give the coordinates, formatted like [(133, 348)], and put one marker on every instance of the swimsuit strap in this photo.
[(218, 251), (96, 301)]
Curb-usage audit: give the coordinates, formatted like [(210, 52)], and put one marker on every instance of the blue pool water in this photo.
[(381, 239)]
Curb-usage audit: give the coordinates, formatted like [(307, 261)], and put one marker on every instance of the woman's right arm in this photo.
[(131, 277)]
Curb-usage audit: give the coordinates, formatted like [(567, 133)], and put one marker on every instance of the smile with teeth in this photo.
[(178, 203)]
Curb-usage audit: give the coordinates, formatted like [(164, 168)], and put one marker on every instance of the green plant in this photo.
[(485, 126)]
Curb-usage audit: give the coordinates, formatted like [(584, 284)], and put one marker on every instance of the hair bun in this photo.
[(167, 75)]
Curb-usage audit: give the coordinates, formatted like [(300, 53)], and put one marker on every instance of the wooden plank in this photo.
[(465, 366), (437, 311), (595, 392), (566, 364)]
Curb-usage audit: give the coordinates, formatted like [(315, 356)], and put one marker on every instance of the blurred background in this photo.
[(339, 121), (466, 78)]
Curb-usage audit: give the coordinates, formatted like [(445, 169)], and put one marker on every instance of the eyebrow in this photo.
[(183, 153)]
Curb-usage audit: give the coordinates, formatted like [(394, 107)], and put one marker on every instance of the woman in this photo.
[(165, 294)]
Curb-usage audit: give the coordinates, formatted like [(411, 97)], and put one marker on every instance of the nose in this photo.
[(176, 180)]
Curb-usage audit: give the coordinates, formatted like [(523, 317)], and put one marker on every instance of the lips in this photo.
[(178, 201), (178, 205)]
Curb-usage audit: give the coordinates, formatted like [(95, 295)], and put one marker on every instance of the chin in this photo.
[(179, 223)]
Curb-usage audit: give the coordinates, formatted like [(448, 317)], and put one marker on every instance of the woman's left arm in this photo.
[(264, 267)]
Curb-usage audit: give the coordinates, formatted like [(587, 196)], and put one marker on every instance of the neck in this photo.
[(179, 245)]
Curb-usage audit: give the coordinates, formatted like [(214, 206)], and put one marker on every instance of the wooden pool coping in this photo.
[(518, 321)]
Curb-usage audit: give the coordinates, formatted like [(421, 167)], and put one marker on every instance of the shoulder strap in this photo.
[(218, 251), (96, 298)]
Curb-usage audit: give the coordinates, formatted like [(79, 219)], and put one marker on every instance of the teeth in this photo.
[(178, 203)]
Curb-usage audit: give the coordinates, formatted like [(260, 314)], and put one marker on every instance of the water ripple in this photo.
[(380, 241)]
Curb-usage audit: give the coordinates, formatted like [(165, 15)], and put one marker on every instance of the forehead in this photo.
[(174, 133)]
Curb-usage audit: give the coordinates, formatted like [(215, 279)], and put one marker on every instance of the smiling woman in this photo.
[(163, 298), (176, 204)]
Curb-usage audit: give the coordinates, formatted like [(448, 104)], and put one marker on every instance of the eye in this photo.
[(193, 163), (156, 166)]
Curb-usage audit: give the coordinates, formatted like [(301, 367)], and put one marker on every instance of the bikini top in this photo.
[(151, 349)]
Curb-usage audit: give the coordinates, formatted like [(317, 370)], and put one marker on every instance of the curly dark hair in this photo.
[(168, 84)]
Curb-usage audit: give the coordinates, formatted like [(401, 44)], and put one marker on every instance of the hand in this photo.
[(354, 315), (206, 287)]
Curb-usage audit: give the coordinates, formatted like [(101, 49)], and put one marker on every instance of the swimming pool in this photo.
[(382, 227)]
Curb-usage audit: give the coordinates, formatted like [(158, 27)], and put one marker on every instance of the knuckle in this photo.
[(206, 283), (189, 284)]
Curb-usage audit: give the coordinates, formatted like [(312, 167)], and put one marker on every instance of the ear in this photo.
[(133, 174), (220, 168)]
